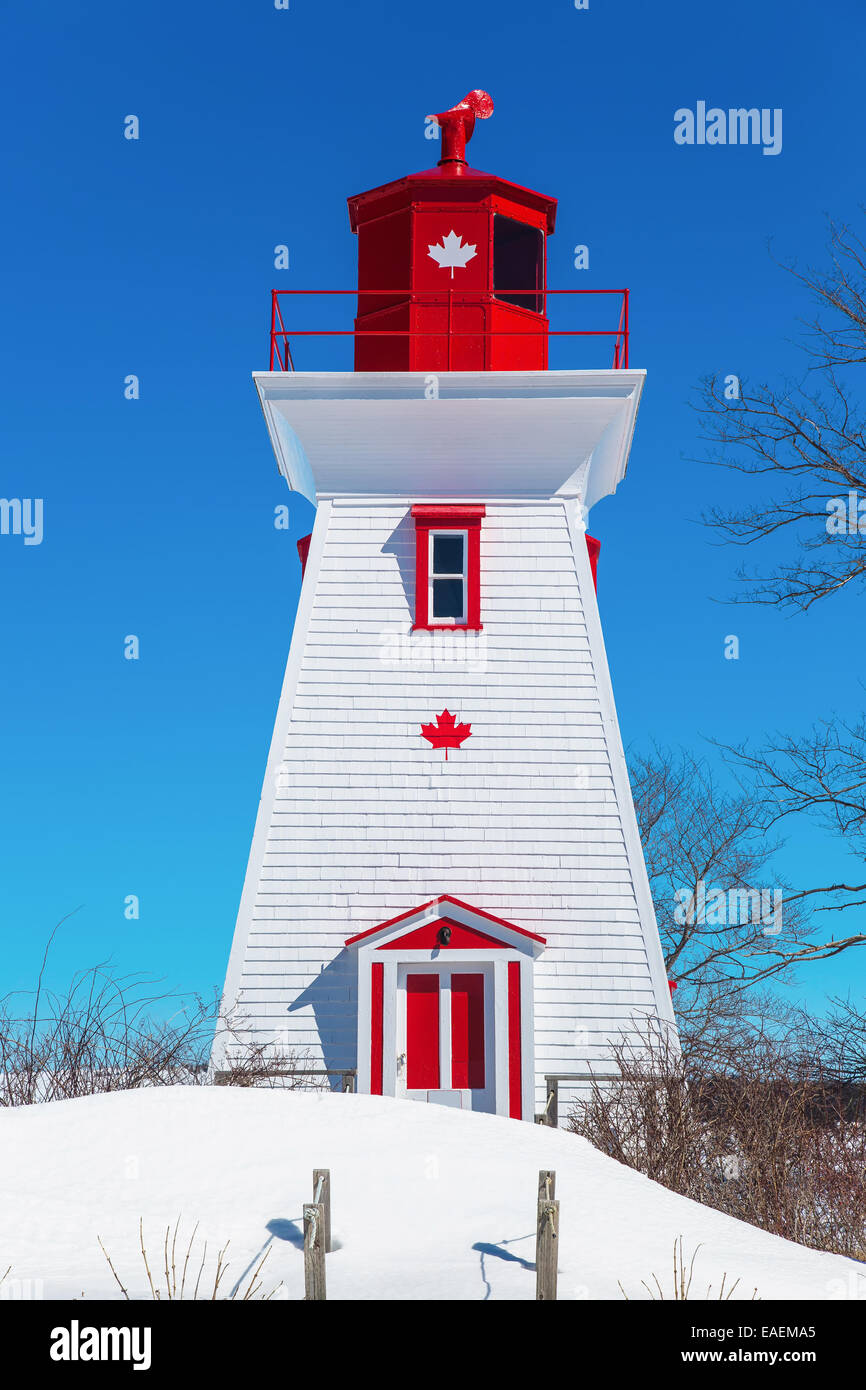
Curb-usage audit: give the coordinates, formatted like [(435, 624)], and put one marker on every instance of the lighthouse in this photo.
[(446, 899)]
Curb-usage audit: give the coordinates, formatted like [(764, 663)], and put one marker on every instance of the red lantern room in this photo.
[(451, 265)]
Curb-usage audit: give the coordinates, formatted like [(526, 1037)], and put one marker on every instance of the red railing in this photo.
[(281, 353)]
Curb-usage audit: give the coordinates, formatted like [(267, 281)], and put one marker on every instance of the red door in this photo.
[(422, 1032), (467, 1032)]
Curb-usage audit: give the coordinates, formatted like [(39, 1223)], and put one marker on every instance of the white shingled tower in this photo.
[(446, 897)]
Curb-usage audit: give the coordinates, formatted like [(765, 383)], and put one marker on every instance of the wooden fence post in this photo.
[(322, 1195), (552, 1107), (314, 1252), (546, 1237), (546, 1184)]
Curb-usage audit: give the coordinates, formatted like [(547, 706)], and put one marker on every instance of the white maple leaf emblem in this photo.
[(452, 252)]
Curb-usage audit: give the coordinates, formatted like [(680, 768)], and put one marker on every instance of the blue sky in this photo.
[(155, 257)]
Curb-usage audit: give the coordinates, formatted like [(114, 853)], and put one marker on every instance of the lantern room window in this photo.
[(447, 566), (518, 263)]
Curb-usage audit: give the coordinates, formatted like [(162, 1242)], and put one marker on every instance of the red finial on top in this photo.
[(458, 123)]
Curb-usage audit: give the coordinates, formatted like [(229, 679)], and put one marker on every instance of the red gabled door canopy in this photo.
[(498, 929)]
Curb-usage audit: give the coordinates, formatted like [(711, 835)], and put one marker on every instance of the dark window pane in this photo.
[(447, 554), (447, 598), (518, 262)]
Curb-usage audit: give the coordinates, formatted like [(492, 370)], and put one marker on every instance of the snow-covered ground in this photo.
[(428, 1202)]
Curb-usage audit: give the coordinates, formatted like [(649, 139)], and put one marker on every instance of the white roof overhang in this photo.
[(486, 434)]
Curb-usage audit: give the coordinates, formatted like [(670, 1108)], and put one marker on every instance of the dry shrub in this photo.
[(754, 1126), (105, 1034), (101, 1035), (270, 1065), (183, 1274), (681, 1288), (109, 1033)]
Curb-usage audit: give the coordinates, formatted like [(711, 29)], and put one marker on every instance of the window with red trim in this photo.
[(448, 566)]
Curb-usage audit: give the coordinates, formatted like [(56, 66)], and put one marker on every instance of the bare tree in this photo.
[(820, 776), (726, 918), (806, 440), (841, 1037)]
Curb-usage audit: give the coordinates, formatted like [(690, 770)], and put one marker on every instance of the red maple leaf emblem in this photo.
[(446, 732)]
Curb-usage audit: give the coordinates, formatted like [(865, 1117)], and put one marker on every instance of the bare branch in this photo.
[(807, 439)]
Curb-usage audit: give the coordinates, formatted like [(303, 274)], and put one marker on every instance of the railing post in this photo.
[(322, 1198), (546, 1184), (551, 1109), (625, 334), (273, 325), (314, 1253)]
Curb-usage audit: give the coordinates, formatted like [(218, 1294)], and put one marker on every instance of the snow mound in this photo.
[(428, 1202)]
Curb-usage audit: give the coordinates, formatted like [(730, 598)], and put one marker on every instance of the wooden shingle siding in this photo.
[(361, 820)]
